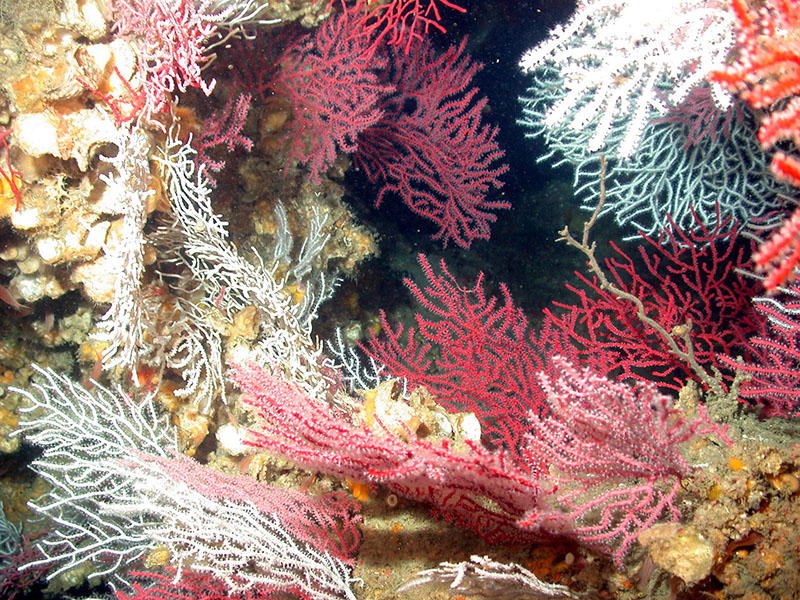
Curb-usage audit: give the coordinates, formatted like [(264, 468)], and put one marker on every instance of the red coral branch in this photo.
[(779, 255), (477, 355), (332, 81), (411, 119), (766, 74), (613, 466), (456, 484), (9, 174), (687, 277), (17, 577), (774, 364), (196, 586), (431, 147), (403, 23)]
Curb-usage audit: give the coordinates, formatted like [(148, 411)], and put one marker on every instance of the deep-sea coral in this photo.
[(409, 116), (773, 364), (197, 239), (695, 161), (766, 74), (486, 578), (332, 80), (127, 193), (687, 282), (313, 435), (122, 494), (597, 431), (612, 58), (474, 352), (431, 146)]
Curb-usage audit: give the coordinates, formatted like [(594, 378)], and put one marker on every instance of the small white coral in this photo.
[(128, 191)]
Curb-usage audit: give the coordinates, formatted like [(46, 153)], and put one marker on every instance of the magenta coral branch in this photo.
[(431, 147), (615, 451), (223, 128), (331, 80), (402, 23), (411, 117), (197, 586), (455, 484)]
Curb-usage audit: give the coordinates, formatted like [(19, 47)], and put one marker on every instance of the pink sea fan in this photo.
[(331, 79), (169, 37), (431, 147), (614, 450)]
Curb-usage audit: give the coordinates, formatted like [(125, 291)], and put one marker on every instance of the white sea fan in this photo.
[(127, 192), (83, 436), (614, 56), (199, 238), (120, 490)]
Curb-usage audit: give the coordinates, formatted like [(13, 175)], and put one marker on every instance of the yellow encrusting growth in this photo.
[(369, 407), (158, 557), (360, 491), (8, 194), (714, 492), (735, 464), (8, 418)]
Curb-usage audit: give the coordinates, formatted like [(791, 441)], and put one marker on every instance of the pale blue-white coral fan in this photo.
[(696, 163), (120, 491), (612, 57), (197, 239), (627, 80)]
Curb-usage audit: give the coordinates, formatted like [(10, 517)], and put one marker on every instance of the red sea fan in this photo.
[(607, 459), (685, 276), (430, 146), (473, 351), (197, 586), (766, 74), (476, 353), (473, 488), (332, 81), (411, 117), (404, 22)]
